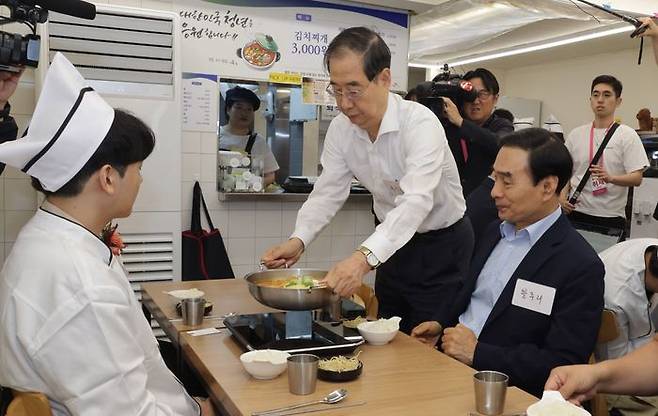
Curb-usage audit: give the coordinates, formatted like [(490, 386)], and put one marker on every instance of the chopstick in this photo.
[(322, 409)]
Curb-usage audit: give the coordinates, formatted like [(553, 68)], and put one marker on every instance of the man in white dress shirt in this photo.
[(70, 325), (399, 152)]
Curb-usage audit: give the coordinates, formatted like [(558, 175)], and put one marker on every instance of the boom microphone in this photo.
[(77, 8)]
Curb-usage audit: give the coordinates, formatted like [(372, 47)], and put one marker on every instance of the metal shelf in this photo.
[(285, 196)]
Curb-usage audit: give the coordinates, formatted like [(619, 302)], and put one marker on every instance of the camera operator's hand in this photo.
[(452, 112), (652, 27), (8, 84)]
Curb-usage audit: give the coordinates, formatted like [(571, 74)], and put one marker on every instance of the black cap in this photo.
[(242, 94)]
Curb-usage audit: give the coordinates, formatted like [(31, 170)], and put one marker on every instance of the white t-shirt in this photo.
[(625, 294), (623, 154), (235, 142)]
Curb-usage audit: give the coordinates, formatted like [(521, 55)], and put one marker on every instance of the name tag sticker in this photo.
[(533, 296)]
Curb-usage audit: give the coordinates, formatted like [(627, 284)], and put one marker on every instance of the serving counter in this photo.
[(282, 196), (403, 377)]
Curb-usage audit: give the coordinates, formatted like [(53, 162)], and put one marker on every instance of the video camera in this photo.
[(448, 85), (16, 50)]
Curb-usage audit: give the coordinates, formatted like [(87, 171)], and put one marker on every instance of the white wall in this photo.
[(564, 86), (248, 228)]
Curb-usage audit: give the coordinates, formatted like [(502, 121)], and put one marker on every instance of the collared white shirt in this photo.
[(409, 170), (625, 294), (500, 266), (71, 328), (623, 154)]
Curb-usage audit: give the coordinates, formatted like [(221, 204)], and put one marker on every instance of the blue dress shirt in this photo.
[(500, 266)]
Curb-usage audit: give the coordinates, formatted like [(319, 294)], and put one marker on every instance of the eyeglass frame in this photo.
[(484, 92), (358, 93)]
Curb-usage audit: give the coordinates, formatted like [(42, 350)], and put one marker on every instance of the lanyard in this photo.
[(591, 143)]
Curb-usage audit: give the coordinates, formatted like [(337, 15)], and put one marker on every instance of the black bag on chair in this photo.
[(204, 254)]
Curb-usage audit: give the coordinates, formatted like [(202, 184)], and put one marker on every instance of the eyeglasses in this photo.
[(351, 94), (484, 94)]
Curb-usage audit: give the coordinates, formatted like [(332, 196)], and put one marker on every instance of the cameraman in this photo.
[(8, 128), (479, 130)]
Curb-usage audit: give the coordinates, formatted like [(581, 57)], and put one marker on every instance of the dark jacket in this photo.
[(482, 143), (525, 344), (481, 208)]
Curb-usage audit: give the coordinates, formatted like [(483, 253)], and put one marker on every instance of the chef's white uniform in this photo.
[(626, 295), (71, 328)]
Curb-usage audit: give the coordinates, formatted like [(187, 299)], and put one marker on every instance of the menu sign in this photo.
[(248, 40), (200, 99)]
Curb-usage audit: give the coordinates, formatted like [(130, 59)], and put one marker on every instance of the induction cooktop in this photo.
[(268, 331)]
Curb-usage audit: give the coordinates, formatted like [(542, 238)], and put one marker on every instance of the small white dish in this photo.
[(381, 331), (553, 404), (186, 293), (265, 364)]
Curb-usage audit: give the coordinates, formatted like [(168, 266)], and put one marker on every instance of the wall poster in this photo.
[(248, 40)]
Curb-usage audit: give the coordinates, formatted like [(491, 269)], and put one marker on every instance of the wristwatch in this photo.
[(372, 260)]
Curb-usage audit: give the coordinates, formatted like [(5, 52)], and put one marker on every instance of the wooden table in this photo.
[(403, 377), (227, 296)]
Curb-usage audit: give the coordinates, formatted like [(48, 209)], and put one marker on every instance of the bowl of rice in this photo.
[(553, 404), (265, 364), (381, 331)]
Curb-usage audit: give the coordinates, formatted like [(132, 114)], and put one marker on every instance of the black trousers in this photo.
[(420, 281), (608, 222)]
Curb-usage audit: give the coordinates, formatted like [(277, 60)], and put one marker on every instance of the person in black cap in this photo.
[(237, 135)]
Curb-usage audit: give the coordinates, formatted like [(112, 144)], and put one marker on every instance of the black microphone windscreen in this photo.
[(77, 8)]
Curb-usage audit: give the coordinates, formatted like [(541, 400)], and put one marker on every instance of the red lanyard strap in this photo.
[(599, 152)]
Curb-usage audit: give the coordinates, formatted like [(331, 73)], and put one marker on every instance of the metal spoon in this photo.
[(331, 398)]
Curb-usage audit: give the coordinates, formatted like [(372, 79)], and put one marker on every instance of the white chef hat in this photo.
[(523, 123), (69, 123), (552, 124)]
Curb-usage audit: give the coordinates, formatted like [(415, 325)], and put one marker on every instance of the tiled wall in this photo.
[(17, 198), (248, 227)]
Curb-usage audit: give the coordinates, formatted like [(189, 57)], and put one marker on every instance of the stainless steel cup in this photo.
[(302, 373), (490, 390), (192, 310)]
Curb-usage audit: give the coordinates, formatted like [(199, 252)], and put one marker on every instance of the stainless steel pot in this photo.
[(290, 299)]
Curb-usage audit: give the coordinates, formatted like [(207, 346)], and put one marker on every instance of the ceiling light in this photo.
[(427, 66), (547, 45)]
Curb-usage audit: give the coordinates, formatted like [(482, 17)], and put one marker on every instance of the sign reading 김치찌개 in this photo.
[(248, 40)]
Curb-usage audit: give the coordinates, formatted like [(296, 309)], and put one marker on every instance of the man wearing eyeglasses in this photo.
[(399, 152), (479, 129)]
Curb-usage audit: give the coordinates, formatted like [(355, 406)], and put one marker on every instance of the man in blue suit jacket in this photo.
[(534, 295)]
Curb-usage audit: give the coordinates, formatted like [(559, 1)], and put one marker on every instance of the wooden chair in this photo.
[(28, 404), (609, 331), (367, 294)]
